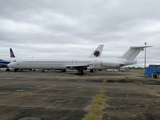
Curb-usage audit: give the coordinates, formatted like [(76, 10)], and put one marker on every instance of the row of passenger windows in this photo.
[(58, 61)]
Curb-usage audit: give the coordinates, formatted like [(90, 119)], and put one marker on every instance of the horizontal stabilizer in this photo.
[(141, 47)]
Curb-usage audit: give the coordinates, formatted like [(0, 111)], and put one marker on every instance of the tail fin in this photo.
[(98, 52), (11, 53), (132, 52)]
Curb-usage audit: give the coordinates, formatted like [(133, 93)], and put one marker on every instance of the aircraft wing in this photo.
[(3, 66), (77, 66), (3, 63)]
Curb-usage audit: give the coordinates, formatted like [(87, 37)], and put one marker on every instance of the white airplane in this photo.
[(97, 53), (6, 61), (80, 64)]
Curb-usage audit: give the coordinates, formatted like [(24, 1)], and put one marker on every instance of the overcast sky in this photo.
[(74, 28)]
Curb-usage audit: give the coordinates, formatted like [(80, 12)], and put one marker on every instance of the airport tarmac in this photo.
[(54, 95)]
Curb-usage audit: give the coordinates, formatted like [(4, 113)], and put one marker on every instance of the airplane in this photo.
[(97, 53), (4, 63), (80, 64)]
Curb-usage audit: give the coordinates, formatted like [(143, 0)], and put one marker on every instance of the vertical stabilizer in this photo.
[(11, 53), (132, 52), (97, 52)]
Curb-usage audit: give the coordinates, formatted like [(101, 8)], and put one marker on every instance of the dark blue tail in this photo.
[(11, 53)]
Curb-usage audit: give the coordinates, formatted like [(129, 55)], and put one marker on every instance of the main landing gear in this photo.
[(15, 70), (7, 69), (91, 71), (80, 72), (64, 70)]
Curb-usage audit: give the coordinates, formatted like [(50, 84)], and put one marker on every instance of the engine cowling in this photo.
[(111, 64)]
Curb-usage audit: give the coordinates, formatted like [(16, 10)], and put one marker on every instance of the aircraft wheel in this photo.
[(91, 70), (64, 70), (15, 70), (81, 72), (7, 69)]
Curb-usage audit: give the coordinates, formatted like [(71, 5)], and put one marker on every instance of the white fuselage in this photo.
[(90, 63)]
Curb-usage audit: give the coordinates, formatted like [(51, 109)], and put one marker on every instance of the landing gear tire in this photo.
[(7, 69), (91, 71), (80, 72), (64, 70), (15, 70)]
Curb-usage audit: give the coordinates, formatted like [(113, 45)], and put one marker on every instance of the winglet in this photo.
[(97, 52), (12, 53)]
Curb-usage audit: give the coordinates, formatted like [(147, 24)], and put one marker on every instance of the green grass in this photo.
[(98, 100), (156, 99), (104, 80), (91, 116), (154, 79), (128, 79), (26, 94), (95, 109), (141, 84), (139, 71)]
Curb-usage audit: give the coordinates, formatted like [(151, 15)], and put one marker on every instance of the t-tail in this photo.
[(97, 52), (132, 52), (12, 53)]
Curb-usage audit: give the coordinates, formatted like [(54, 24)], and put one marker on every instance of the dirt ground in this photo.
[(54, 95)]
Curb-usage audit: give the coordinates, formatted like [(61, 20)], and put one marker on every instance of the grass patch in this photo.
[(98, 100), (154, 79), (141, 84), (26, 94), (95, 109), (139, 71), (91, 116), (128, 79), (156, 100), (104, 80)]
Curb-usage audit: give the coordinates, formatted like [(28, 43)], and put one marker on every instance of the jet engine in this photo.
[(111, 64)]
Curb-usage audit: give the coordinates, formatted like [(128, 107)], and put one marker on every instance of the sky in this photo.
[(74, 28)]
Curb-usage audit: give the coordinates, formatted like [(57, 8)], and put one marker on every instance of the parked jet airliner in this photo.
[(97, 53), (3, 62), (79, 64)]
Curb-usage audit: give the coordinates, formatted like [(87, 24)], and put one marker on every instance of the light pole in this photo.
[(145, 56)]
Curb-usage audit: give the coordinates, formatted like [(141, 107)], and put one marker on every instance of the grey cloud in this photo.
[(36, 26)]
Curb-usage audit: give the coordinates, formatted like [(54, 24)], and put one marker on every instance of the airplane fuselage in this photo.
[(90, 63)]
